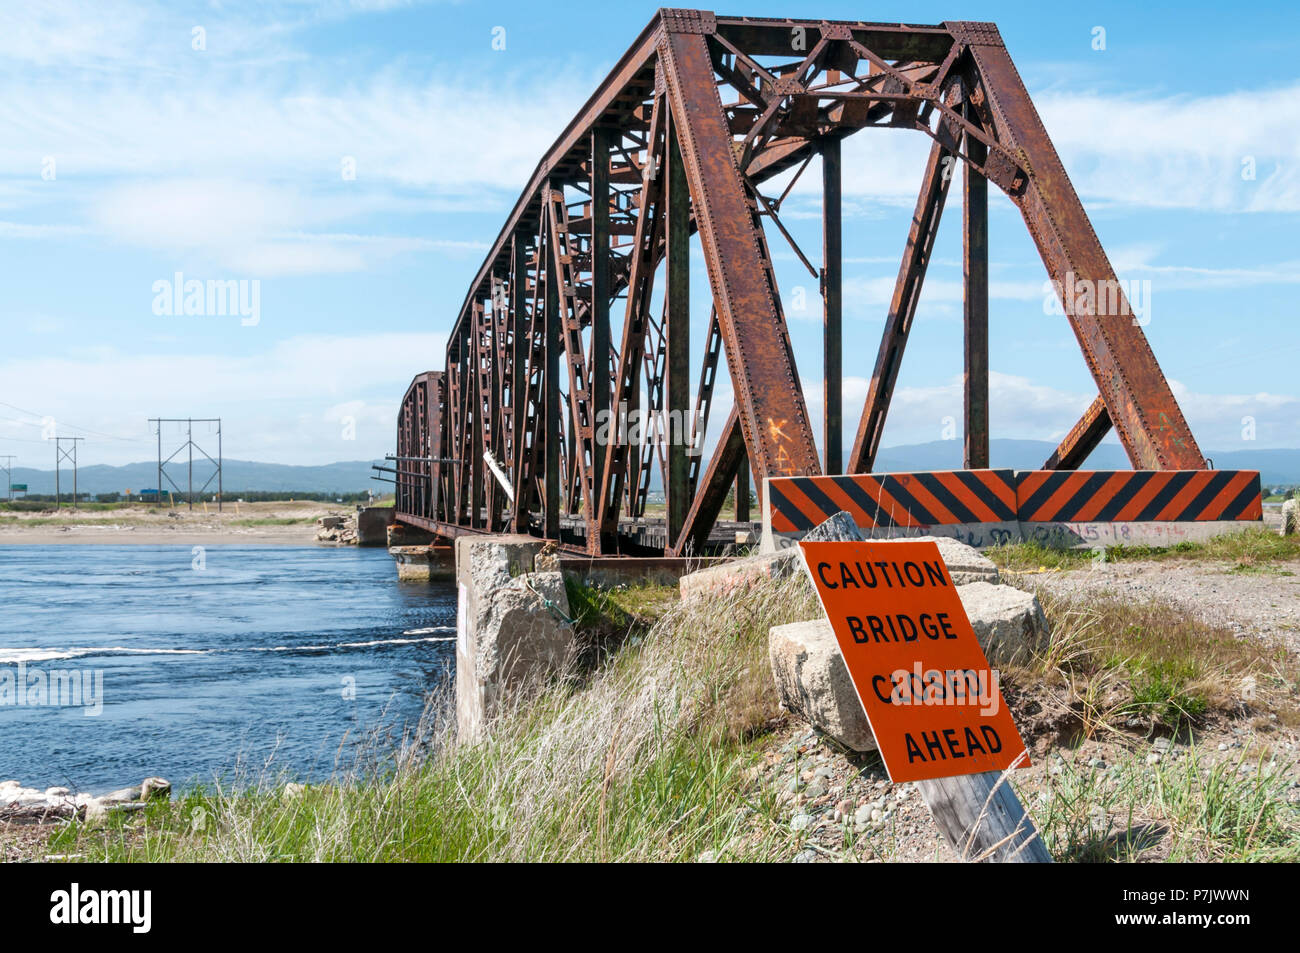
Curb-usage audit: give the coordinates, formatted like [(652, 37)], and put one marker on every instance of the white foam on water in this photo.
[(11, 656)]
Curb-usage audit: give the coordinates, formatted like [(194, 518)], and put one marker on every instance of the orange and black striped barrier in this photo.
[(1137, 496), (986, 507), (896, 503)]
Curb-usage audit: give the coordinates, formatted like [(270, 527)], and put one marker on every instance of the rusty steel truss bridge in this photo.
[(563, 328)]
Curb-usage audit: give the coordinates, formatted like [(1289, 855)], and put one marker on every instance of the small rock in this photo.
[(805, 857), (801, 822), (1153, 758)]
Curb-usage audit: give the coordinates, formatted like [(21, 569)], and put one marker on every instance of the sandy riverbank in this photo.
[(275, 524)]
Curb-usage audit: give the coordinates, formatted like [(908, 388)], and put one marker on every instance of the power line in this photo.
[(42, 417)]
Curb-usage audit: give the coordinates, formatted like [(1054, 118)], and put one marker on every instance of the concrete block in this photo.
[(1008, 622), (740, 574), (965, 563), (372, 525), (737, 575), (1291, 517), (813, 682), (1100, 535), (423, 563), (511, 626)]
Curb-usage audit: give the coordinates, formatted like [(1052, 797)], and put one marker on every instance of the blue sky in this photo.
[(127, 155)]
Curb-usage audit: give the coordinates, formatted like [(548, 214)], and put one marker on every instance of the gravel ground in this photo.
[(844, 807), (1264, 602)]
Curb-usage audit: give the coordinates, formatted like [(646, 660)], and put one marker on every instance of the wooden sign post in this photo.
[(930, 696)]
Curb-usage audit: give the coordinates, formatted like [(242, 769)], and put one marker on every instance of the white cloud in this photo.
[(238, 152), (869, 296), (1022, 409), (1133, 150), (283, 404)]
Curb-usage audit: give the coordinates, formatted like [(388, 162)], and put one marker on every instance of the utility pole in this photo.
[(59, 456), (8, 467), (189, 446)]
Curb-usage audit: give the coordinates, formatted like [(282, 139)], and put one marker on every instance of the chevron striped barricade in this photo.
[(1061, 508), (976, 506), (1099, 508)]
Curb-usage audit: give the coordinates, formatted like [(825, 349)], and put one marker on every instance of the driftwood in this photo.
[(15, 813)]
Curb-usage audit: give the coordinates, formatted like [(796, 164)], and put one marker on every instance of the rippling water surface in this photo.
[(238, 654)]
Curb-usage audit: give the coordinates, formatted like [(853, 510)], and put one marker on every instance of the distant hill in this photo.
[(1277, 468), (237, 476)]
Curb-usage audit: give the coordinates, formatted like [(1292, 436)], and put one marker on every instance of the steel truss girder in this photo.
[(741, 100)]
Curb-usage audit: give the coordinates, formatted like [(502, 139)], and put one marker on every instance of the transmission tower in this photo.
[(8, 467), (60, 455), (189, 446)]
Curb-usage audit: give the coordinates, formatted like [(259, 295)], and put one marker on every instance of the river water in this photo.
[(197, 664)]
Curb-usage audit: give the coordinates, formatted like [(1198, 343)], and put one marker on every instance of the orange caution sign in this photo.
[(933, 703)]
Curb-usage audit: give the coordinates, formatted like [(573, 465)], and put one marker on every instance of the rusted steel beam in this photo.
[(581, 433), (676, 339), (704, 399), (551, 396), (478, 424), (718, 478), (520, 345), (641, 276), (751, 98), (437, 398), (600, 370), (773, 415), (1082, 438), (1141, 405), (902, 307), (975, 273), (832, 310), (769, 36), (742, 490), (631, 66)]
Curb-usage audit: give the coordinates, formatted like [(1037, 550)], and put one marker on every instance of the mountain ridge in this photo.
[(1278, 467)]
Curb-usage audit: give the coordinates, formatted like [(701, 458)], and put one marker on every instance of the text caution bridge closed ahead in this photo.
[(933, 702)]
